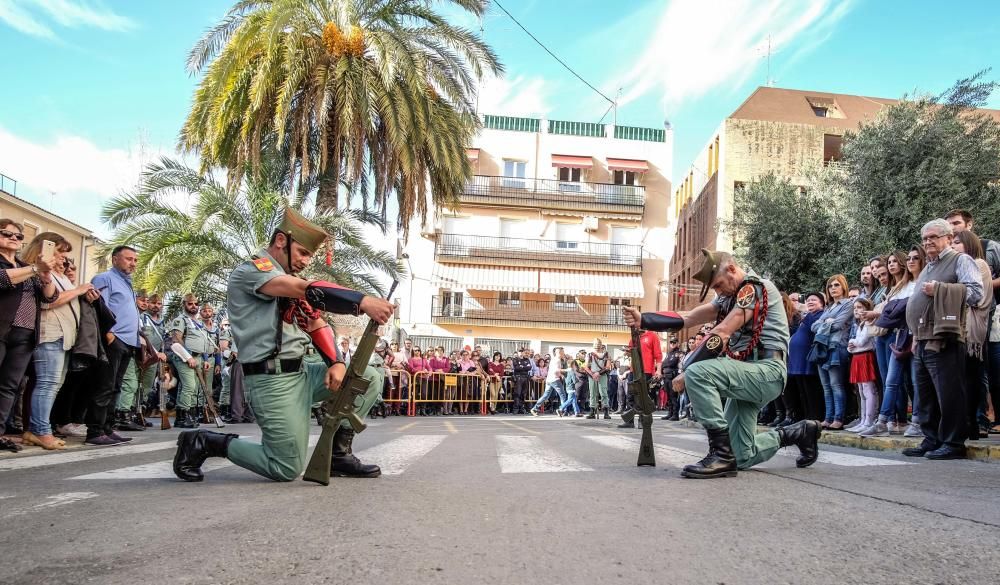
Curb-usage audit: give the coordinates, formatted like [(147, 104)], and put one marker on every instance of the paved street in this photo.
[(500, 500)]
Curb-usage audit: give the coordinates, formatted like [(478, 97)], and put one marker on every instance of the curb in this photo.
[(982, 450)]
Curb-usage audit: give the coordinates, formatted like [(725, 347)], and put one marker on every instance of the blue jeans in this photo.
[(883, 355), (570, 401), (557, 385), (50, 371), (832, 379), (894, 396)]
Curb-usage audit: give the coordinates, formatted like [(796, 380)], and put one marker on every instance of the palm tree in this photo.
[(196, 250), (376, 95)]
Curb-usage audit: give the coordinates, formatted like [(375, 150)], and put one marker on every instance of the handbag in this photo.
[(820, 350)]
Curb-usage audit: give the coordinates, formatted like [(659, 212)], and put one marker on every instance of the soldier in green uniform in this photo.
[(228, 355), (743, 360), (274, 315), (151, 325), (193, 349), (134, 391)]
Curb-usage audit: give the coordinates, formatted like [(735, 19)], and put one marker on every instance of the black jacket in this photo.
[(522, 366), (96, 320)]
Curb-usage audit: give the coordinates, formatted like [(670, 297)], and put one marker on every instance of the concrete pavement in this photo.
[(500, 500)]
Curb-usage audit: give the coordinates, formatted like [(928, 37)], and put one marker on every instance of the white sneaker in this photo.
[(861, 427), (894, 428), (856, 425), (73, 430), (913, 431), (878, 429)]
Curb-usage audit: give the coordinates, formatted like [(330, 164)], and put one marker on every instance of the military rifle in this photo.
[(340, 405), (639, 390), (164, 419), (210, 410)]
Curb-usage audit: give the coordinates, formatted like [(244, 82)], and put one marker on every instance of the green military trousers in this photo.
[(187, 395), (600, 385), (130, 384), (748, 386), (281, 403)]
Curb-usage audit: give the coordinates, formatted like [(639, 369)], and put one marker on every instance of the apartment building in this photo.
[(36, 220), (561, 224), (786, 131)]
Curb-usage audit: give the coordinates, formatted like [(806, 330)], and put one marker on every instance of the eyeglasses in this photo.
[(932, 238), (12, 235)]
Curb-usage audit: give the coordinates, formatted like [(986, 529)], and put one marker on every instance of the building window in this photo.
[(513, 172), (567, 235), (832, 144), (451, 303), (509, 299), (569, 174), (30, 231), (565, 303), (624, 177)]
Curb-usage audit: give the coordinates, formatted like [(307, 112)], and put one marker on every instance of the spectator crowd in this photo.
[(913, 348)]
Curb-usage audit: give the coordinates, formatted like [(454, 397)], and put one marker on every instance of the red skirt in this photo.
[(863, 367)]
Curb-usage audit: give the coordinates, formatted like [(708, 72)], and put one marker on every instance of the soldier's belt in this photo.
[(272, 366), (770, 354)]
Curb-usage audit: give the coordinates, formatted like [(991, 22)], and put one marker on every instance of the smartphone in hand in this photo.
[(48, 250)]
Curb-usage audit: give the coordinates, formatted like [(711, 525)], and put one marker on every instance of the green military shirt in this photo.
[(253, 315), (153, 330), (196, 338), (775, 334)]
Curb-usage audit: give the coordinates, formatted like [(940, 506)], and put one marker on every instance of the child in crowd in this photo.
[(863, 372)]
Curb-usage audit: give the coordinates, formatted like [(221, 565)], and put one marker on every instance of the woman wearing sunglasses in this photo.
[(23, 288)]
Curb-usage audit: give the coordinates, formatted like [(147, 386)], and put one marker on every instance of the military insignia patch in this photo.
[(746, 296), (263, 264), (713, 343)]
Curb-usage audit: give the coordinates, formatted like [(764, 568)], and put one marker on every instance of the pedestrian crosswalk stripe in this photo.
[(831, 457), (518, 454), (158, 470), (395, 456), (46, 459), (665, 455)]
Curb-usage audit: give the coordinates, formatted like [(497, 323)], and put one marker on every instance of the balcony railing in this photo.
[(512, 313), (555, 194), (527, 252), (7, 184)]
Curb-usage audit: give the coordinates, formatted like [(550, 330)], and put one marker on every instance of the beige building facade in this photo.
[(561, 225), (36, 220)]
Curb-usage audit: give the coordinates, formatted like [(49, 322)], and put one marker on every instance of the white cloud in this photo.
[(699, 46), (79, 173), (37, 17), (516, 96)]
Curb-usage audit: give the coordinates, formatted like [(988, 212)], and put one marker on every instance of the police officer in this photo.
[(274, 315), (670, 368), (522, 376), (742, 359), (193, 349)]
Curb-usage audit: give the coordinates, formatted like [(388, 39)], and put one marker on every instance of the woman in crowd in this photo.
[(976, 332), (892, 316), (414, 366), (439, 366), (465, 366), (862, 348), (58, 326), (23, 288), (496, 371), (802, 373), (835, 323)]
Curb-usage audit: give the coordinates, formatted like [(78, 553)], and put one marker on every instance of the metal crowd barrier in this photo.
[(397, 397), (446, 390)]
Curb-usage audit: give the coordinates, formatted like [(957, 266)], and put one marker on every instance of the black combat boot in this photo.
[(123, 421), (344, 463), (593, 413), (628, 419), (804, 435), (720, 461), (226, 412), (607, 413), (194, 447), (181, 420)]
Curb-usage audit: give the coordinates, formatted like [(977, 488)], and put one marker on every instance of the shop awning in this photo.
[(486, 278), (597, 284), (472, 153), (573, 162), (626, 164)]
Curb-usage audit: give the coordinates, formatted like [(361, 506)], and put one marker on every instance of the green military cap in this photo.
[(708, 271), (298, 228)]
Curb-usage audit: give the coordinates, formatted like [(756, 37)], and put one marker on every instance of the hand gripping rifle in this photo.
[(639, 390), (340, 405)]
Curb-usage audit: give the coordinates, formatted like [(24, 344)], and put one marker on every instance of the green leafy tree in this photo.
[(195, 249), (921, 158), (376, 95)]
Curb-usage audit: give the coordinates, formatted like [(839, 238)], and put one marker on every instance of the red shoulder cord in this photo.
[(299, 311), (757, 325)]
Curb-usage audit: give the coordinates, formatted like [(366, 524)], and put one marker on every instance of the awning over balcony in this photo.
[(486, 278), (597, 284), (472, 153), (625, 164), (573, 162)]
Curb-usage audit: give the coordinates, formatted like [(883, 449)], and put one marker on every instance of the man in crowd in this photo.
[(151, 325), (961, 221), (867, 282), (652, 355), (135, 384), (282, 384), (121, 343), (742, 359), (554, 381), (935, 313), (192, 345), (522, 377), (670, 370)]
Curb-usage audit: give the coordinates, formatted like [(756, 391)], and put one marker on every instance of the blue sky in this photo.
[(92, 89)]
